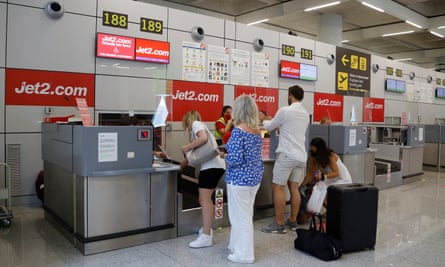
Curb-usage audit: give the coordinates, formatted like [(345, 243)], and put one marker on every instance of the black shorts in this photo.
[(209, 178)]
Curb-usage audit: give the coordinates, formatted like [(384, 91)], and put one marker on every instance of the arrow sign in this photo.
[(344, 60)]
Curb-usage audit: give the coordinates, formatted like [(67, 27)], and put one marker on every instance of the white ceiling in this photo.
[(362, 26)]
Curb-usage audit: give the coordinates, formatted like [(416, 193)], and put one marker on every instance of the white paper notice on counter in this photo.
[(107, 147), (420, 133), (352, 137)]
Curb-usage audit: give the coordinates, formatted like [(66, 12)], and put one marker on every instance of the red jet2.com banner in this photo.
[(47, 88), (373, 109), (328, 105), (266, 98), (206, 98)]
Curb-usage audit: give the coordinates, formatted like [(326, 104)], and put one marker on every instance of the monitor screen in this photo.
[(152, 51), (396, 86), (289, 69), (115, 46), (440, 92), (308, 72)]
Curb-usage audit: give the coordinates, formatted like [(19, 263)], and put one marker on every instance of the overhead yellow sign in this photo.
[(353, 75)]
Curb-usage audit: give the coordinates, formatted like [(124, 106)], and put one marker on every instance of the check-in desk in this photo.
[(350, 143), (401, 146), (434, 148), (102, 190)]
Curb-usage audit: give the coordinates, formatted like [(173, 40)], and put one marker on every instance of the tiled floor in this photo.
[(410, 232)]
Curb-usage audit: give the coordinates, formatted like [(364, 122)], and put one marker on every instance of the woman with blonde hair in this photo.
[(243, 177), (209, 175)]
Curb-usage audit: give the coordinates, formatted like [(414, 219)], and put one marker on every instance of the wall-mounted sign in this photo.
[(47, 88), (288, 50), (114, 19), (306, 53), (151, 25), (329, 106), (152, 51), (443, 82), (399, 73), (352, 72), (115, 46), (373, 109), (266, 98), (389, 71), (198, 96), (438, 81)]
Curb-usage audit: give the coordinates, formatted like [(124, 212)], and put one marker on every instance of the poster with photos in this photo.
[(260, 69), (218, 64), (193, 61), (240, 67)]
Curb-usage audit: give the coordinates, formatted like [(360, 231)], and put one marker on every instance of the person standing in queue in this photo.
[(290, 163), (243, 178), (209, 175), (223, 126)]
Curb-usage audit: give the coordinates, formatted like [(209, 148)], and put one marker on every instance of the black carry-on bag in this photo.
[(352, 215), (316, 242)]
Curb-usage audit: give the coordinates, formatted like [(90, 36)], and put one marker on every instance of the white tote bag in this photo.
[(317, 197)]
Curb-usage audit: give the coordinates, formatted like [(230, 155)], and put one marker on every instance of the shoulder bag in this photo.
[(203, 153), (317, 243)]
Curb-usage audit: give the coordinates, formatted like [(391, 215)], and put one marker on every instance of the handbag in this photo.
[(203, 153), (317, 197), (317, 243)]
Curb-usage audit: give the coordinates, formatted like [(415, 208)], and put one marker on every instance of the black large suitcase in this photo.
[(352, 215)]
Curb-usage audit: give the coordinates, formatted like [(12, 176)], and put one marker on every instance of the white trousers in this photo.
[(240, 206)]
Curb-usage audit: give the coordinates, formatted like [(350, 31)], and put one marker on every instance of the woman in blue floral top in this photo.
[(244, 171)]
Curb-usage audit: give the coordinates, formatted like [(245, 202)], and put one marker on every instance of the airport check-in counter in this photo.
[(398, 147), (102, 190), (434, 148), (350, 143)]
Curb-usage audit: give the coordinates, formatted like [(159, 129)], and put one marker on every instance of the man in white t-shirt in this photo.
[(292, 122)]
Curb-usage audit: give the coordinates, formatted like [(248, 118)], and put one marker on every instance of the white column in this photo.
[(330, 29)]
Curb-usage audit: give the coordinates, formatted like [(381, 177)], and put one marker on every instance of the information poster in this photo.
[(240, 67), (193, 61), (107, 150), (218, 64), (260, 69)]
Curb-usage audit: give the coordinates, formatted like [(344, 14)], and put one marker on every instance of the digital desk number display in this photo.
[(151, 25), (288, 50), (144, 135), (306, 54), (114, 19)]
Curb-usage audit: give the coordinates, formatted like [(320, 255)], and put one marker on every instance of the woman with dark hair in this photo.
[(325, 165), (223, 126)]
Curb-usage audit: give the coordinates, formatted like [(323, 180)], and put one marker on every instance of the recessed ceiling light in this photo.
[(437, 34), (257, 22), (413, 24), (396, 33), (403, 59), (441, 27), (322, 6), (373, 7)]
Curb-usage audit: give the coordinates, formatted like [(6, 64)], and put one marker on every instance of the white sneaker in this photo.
[(202, 241), (232, 258), (202, 228)]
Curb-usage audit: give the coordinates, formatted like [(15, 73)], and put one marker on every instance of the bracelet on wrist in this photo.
[(324, 176)]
